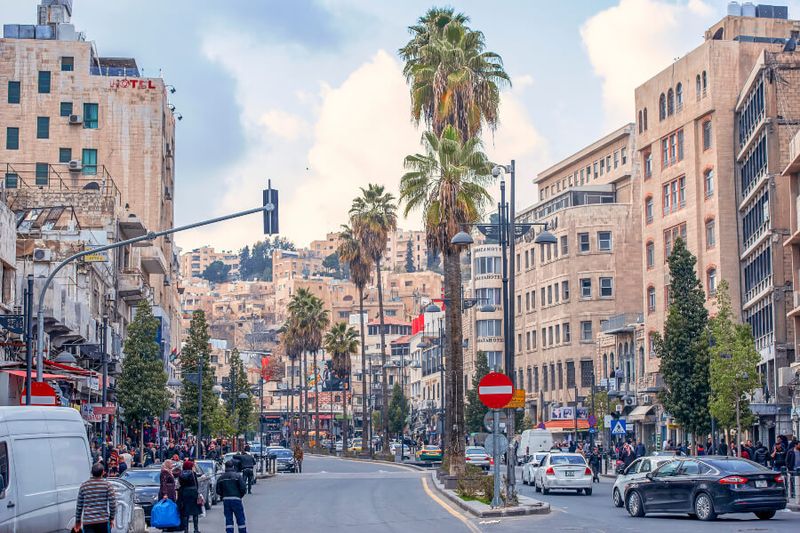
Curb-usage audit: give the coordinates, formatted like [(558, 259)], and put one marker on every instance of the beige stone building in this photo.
[(194, 263), (790, 377), (706, 132), (397, 250)]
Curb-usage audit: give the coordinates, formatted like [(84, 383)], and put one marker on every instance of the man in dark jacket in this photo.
[(247, 464), (778, 456), (231, 488), (641, 451), (760, 454)]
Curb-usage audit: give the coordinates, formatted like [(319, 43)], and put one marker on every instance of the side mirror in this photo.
[(649, 476)]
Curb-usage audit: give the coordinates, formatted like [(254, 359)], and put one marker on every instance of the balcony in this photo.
[(131, 227), (152, 259), (132, 286), (796, 307), (622, 323)]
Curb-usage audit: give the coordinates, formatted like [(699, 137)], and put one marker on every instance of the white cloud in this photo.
[(632, 41), (284, 125)]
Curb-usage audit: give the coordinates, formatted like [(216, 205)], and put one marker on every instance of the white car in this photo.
[(563, 471), (529, 468), (636, 470), (477, 456)]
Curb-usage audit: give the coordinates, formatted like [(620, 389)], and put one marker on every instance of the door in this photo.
[(37, 498), (657, 489), (8, 494), (683, 485), (70, 471)]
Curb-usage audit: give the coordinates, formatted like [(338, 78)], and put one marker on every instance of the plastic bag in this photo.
[(165, 514)]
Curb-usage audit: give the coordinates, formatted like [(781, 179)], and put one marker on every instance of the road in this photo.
[(336, 495)]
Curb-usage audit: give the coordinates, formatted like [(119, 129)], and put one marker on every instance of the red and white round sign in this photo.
[(495, 390)]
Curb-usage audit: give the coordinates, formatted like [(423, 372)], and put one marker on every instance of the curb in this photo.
[(378, 461), (535, 507)]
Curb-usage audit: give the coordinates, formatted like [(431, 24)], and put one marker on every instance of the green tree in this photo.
[(398, 410), (332, 265), (410, 257), (683, 348), (447, 183), (196, 353), (734, 366), (240, 410), (341, 342), (373, 216), (142, 385), (216, 272), (475, 410), (256, 263)]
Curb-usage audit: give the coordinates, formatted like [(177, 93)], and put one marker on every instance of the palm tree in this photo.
[(453, 79), (372, 216), (448, 183), (292, 348), (341, 341), (359, 265)]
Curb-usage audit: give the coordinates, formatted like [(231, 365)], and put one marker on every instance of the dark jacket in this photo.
[(245, 460), (231, 485), (188, 492), (792, 462), (167, 487), (760, 455)]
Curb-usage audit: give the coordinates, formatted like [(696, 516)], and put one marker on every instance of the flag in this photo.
[(265, 371)]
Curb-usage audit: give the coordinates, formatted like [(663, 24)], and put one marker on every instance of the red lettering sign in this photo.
[(125, 83)]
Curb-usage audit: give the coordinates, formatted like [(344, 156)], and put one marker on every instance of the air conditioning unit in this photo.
[(647, 399), (42, 254), (630, 401), (75, 119), (75, 164)]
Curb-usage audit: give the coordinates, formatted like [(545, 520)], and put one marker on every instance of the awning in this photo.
[(639, 414), (321, 416), (566, 426), (21, 374)]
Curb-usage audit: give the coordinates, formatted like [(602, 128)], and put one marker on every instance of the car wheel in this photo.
[(634, 504), (588, 492), (617, 498), (704, 507), (765, 515), (545, 490), (579, 491)]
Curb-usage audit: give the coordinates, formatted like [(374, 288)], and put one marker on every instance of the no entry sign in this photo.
[(495, 390)]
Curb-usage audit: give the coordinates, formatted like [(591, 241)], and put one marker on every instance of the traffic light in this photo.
[(270, 210)]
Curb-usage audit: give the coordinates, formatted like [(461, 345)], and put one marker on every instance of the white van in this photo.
[(44, 458), (532, 441)]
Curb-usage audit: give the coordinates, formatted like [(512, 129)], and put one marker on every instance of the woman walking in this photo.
[(167, 488), (189, 496)]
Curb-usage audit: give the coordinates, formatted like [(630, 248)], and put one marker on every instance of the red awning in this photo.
[(70, 368), (565, 426), (21, 374), (322, 416)]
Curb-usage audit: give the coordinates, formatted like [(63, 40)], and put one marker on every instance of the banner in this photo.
[(567, 412)]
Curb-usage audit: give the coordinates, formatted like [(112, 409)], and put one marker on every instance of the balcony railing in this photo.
[(58, 177), (622, 323)]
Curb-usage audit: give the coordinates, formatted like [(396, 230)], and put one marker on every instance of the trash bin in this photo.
[(124, 521)]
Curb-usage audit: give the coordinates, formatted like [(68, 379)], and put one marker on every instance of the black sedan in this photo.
[(706, 487), (284, 460), (147, 482)]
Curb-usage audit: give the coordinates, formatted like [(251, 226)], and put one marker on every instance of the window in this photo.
[(648, 164), (711, 279), (487, 265), (64, 155), (648, 209), (674, 195), (650, 252), (566, 331), (4, 465), (13, 92), (670, 235), (12, 138), (672, 148), (616, 158), (556, 292), (641, 124), (583, 242), (586, 288), (711, 239), (90, 116), (564, 245), (705, 82), (544, 378), (536, 378), (662, 107), (708, 180), (89, 161), (489, 328), (651, 299), (586, 331), (550, 335), (66, 109), (42, 174), (519, 342), (42, 127), (560, 375), (697, 86), (491, 296), (527, 259), (549, 294), (606, 287), (565, 290), (67, 64), (557, 329), (706, 135), (679, 96), (645, 118), (44, 81), (12, 180), (670, 102), (604, 241)]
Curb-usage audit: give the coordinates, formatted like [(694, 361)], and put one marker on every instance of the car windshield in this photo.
[(282, 453), (206, 465), (737, 466), (142, 477), (567, 460), (475, 451)]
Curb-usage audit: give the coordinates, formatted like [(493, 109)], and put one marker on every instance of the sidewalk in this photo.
[(527, 506)]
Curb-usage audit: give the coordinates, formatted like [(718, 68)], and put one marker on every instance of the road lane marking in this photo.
[(472, 527)]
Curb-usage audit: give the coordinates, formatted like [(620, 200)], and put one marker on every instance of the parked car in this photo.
[(563, 471), (394, 446), (357, 445), (147, 481), (477, 456), (284, 460), (214, 470), (706, 487), (636, 470), (429, 454), (529, 468)]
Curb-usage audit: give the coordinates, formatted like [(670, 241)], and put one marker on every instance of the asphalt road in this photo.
[(339, 495)]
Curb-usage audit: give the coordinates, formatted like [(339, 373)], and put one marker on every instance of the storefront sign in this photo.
[(567, 412), (93, 382), (126, 83)]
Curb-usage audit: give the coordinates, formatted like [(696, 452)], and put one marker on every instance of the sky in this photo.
[(310, 93)]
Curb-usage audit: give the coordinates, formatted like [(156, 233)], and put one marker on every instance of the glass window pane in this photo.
[(64, 155), (13, 92), (12, 138), (89, 161), (44, 81), (90, 116), (42, 127), (42, 174), (66, 109)]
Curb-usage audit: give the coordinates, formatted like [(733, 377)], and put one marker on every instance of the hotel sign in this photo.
[(126, 83)]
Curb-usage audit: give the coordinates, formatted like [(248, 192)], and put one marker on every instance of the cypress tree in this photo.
[(194, 350)]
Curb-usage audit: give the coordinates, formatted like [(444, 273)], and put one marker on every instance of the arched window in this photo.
[(705, 82), (670, 102), (644, 115), (605, 365), (711, 281), (708, 182), (651, 299), (612, 366), (698, 87), (641, 124), (679, 95), (662, 107)]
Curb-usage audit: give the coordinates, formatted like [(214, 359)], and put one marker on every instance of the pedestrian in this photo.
[(594, 463), (189, 501), (722, 448), (641, 451), (247, 465), (113, 465), (298, 457), (167, 482), (760, 454), (97, 504), (231, 489), (149, 455), (700, 449), (778, 456)]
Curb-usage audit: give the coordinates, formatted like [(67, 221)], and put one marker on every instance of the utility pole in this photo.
[(104, 360), (28, 301), (200, 402)]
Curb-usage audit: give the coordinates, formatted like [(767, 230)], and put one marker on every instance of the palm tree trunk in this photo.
[(384, 377), (344, 417), (316, 402), (454, 365), (304, 403), (291, 404), (364, 421)]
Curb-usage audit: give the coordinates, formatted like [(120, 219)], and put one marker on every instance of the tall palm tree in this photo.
[(447, 183), (359, 266), (453, 79), (291, 347), (341, 341), (373, 216)]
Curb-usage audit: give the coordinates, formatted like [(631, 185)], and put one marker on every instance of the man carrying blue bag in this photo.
[(165, 514), (231, 488)]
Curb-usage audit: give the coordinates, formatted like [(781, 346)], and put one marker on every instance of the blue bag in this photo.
[(165, 514)]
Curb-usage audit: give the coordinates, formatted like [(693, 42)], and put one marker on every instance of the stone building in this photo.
[(194, 263)]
